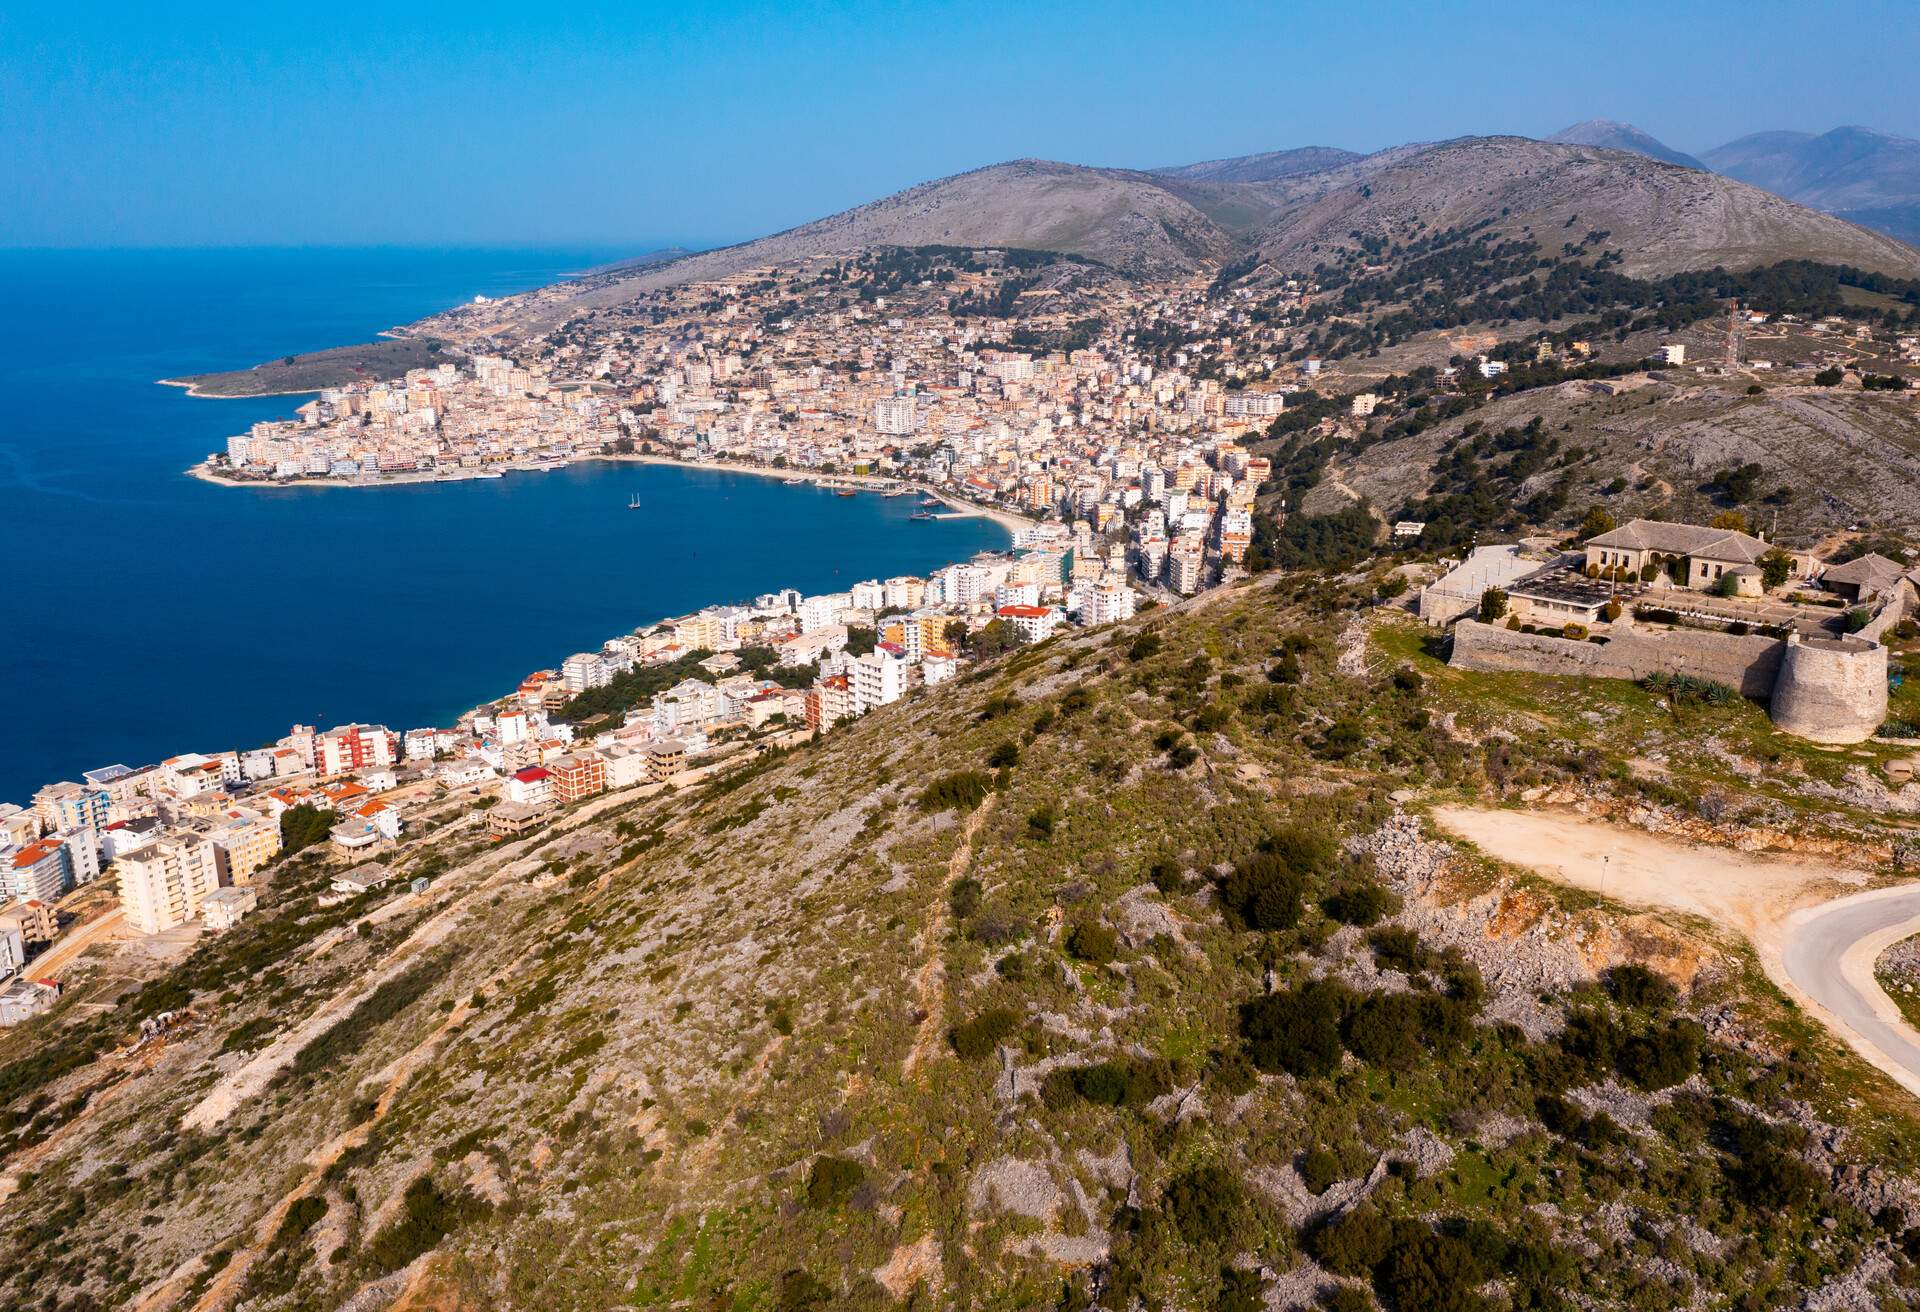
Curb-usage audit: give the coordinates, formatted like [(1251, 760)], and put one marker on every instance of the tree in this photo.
[(995, 638), (1493, 605), (1598, 521), (303, 826), (1776, 567), (1729, 519), (1829, 377), (1726, 586)]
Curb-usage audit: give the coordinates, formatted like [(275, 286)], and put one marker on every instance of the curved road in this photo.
[(1815, 941), (1829, 953)]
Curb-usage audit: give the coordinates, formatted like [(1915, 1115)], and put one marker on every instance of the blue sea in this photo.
[(145, 613)]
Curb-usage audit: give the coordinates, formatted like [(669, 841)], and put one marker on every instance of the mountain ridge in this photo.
[(1193, 220)]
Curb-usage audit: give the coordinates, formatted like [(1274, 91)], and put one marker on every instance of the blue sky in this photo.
[(193, 124)]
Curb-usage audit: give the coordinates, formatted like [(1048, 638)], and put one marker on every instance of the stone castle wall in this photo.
[(1749, 664)]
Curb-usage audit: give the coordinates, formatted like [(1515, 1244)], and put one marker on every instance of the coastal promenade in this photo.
[(1011, 520)]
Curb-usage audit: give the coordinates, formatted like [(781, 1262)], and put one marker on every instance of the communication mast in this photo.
[(1733, 333)]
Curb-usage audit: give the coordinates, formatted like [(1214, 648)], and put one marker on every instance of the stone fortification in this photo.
[(1748, 664), (1831, 690)]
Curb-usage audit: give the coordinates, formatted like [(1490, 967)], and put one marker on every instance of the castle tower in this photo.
[(1831, 690)]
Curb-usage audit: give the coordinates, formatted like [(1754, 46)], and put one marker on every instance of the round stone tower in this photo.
[(1831, 690)]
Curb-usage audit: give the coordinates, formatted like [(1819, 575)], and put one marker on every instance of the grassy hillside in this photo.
[(1119, 972)]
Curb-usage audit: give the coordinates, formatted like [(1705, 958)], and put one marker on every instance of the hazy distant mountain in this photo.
[(1868, 177), (1261, 168), (1606, 133)]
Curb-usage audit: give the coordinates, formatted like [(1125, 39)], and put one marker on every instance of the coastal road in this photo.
[(1829, 951)]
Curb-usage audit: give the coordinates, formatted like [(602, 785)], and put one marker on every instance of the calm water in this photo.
[(146, 613)]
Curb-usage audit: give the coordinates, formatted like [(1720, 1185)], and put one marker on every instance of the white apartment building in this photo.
[(1185, 570), (584, 670), (879, 677), (1109, 603), (163, 884), (895, 416)]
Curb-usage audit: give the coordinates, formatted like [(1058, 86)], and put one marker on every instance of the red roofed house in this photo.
[(532, 786)]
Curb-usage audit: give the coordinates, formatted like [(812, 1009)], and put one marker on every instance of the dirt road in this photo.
[(1817, 935), (67, 950)]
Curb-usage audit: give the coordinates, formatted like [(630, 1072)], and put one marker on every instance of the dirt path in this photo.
[(1817, 933), (66, 951), (226, 1286), (930, 981)]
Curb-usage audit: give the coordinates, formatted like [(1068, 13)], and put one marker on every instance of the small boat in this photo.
[(931, 502), (795, 482), (633, 502), (921, 514), (843, 491)]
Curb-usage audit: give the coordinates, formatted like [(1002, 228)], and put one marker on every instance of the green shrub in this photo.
[(428, 1215), (1114, 1083), (1319, 1170), (831, 1182), (963, 897), (1041, 822), (1209, 1210), (1005, 756), (960, 791), (1352, 1245), (801, 1291), (1094, 943), (1166, 876), (1664, 1057), (1266, 889), (980, 1035), (1295, 1033), (1399, 949), (1633, 985), (1360, 904)]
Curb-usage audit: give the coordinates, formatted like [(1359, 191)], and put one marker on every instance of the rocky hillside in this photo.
[(1121, 972), (1290, 210), (1661, 217), (1610, 135)]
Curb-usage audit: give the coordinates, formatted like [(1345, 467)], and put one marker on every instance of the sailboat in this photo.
[(633, 502)]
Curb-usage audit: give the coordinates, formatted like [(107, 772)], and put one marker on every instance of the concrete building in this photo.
[(244, 842), (163, 884), (879, 678), (578, 776), (41, 870), (224, 908)]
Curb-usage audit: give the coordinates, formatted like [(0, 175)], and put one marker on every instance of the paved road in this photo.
[(1829, 954)]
